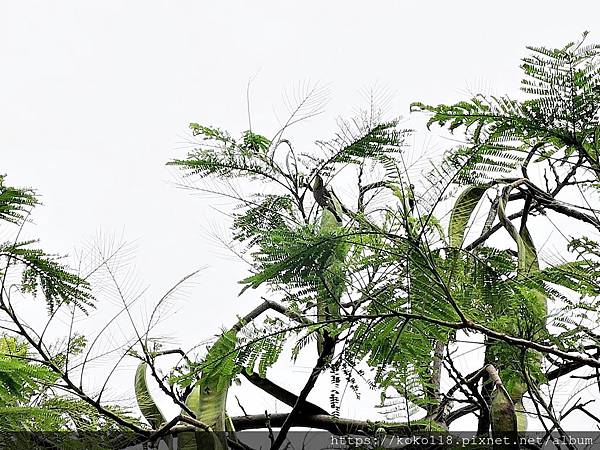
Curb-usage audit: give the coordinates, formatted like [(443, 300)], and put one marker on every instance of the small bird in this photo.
[(411, 197), (324, 198)]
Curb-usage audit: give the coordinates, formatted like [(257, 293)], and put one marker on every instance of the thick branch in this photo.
[(283, 395), (575, 214), (329, 423), (167, 427), (322, 361)]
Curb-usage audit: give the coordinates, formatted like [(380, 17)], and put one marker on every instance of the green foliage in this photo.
[(372, 270), (221, 155), (268, 213), (43, 273), (28, 375), (560, 116), (75, 345), (376, 270), (293, 257), (20, 380), (27, 405), (15, 203), (255, 142), (40, 271), (219, 363), (260, 354), (78, 415), (359, 140)]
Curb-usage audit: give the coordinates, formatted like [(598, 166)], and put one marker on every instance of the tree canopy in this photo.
[(382, 271)]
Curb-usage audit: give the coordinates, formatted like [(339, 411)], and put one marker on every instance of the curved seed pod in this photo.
[(461, 213), (208, 403), (503, 415), (145, 402), (521, 415), (528, 259), (527, 263)]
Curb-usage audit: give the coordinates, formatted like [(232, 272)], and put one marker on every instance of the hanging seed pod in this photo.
[(503, 415)]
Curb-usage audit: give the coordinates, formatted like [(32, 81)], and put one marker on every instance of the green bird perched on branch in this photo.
[(324, 197)]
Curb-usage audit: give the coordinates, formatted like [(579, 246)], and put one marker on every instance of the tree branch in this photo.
[(283, 395), (322, 361), (335, 425)]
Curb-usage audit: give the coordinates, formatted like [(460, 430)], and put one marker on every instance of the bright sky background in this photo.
[(96, 96)]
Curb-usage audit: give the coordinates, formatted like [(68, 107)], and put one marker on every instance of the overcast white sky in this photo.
[(95, 96)]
